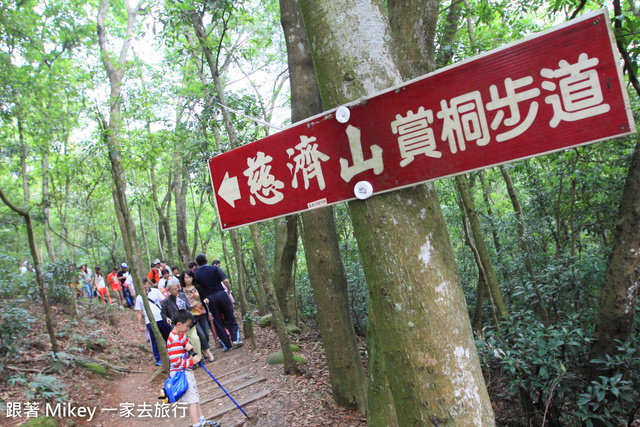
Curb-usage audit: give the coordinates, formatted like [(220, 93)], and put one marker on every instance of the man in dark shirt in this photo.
[(210, 278)]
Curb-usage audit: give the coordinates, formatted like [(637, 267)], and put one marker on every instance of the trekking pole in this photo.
[(225, 391)]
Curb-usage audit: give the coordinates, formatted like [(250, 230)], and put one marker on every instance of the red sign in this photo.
[(545, 93)]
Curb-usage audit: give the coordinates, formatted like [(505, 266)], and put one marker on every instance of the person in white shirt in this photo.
[(155, 298), (101, 287)]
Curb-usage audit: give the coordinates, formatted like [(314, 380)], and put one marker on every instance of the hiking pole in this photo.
[(225, 391)]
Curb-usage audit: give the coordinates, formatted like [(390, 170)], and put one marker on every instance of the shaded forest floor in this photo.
[(30, 377), (112, 336)]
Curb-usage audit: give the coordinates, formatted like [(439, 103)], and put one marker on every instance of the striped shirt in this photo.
[(175, 347)]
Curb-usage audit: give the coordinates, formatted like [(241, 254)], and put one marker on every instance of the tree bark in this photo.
[(65, 211), (286, 289), (381, 408), (247, 323), (23, 163), (485, 265), (414, 289), (449, 34), (164, 225), (261, 279), (36, 264), (522, 235), (319, 237), (290, 366), (419, 33), (617, 303), (46, 203), (181, 185), (482, 276), (144, 235), (279, 241), (111, 135), (289, 361), (492, 224)]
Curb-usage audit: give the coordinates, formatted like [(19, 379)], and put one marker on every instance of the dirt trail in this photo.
[(266, 395), (112, 336)]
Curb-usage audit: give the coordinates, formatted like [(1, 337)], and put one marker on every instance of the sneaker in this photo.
[(237, 344), (209, 423)]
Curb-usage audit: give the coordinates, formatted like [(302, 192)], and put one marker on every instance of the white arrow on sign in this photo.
[(229, 190)]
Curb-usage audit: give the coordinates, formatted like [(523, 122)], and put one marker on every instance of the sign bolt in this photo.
[(363, 190), (343, 114)]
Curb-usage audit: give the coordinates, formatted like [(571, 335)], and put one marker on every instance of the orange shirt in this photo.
[(112, 280), (154, 276)]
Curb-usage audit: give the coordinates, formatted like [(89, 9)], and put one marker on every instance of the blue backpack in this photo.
[(175, 387)]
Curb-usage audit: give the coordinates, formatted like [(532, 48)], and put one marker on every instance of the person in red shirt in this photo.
[(177, 346), (114, 283)]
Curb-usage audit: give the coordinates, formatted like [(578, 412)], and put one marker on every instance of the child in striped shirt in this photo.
[(177, 345)]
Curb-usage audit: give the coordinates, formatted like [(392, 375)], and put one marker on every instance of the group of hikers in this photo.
[(94, 284), (182, 308), (202, 289), (184, 305)]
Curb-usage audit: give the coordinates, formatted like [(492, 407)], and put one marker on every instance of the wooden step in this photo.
[(234, 389), (212, 385), (204, 377), (242, 403), (200, 372)]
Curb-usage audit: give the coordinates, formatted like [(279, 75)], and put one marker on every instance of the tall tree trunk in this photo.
[(23, 163), (144, 235), (450, 30), (111, 135), (227, 258), (164, 225), (279, 241), (492, 224), (381, 408), (197, 234), (414, 288), (617, 304), (46, 203), (262, 298), (290, 366), (522, 235), (419, 55), (476, 324), (247, 323), (319, 237), (286, 289), (64, 232), (482, 275), (484, 261), (558, 215), (181, 185), (36, 264), (289, 361)]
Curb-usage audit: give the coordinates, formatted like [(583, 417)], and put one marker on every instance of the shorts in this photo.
[(192, 395)]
